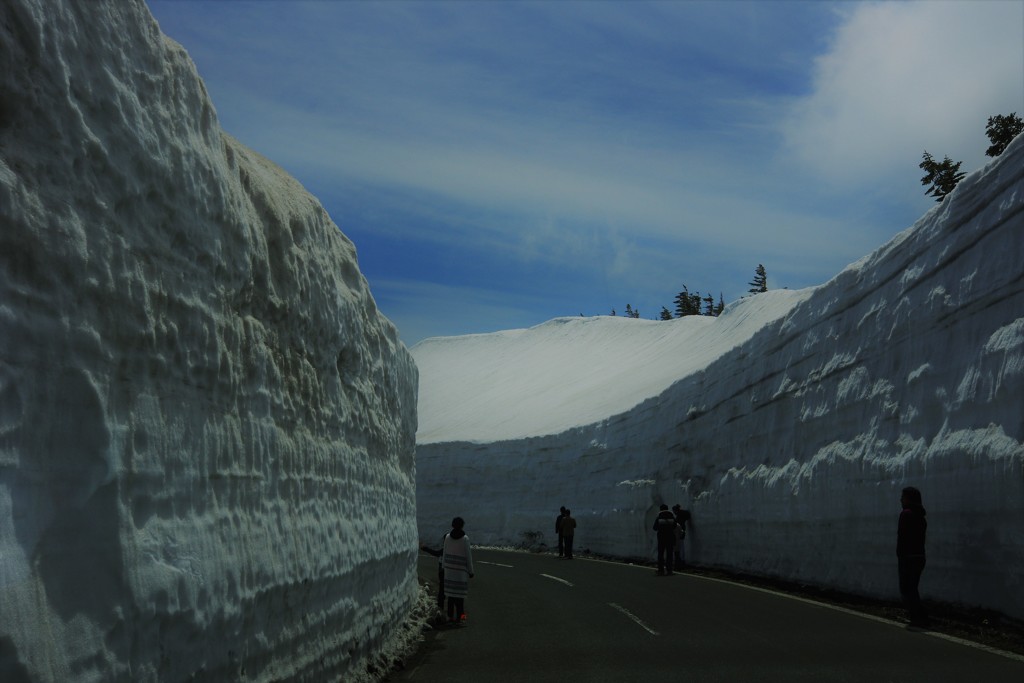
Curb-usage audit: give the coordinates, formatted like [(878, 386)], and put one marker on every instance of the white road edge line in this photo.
[(555, 578), (634, 618), (496, 564), (871, 617)]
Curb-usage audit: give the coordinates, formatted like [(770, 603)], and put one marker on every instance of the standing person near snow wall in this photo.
[(457, 560), (665, 525), (568, 532), (910, 536), (682, 517)]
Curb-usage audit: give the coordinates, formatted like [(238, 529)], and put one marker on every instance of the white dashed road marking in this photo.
[(555, 578), (634, 618)]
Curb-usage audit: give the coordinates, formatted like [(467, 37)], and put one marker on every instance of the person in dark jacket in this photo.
[(910, 538), (568, 532), (665, 525), (558, 531)]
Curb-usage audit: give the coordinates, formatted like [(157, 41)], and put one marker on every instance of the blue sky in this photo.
[(499, 164)]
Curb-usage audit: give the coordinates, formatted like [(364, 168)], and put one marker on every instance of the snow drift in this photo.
[(788, 425), (205, 422)]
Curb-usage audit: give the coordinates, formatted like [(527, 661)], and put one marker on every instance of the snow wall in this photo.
[(205, 422), (791, 445)]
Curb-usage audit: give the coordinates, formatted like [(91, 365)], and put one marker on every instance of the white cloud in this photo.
[(904, 77)]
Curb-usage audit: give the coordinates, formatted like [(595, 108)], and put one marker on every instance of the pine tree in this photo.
[(687, 303), (760, 282), (942, 177), (1001, 130), (666, 314), (630, 313), (684, 303)]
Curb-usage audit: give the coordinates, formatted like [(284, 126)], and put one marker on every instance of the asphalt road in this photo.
[(539, 618)]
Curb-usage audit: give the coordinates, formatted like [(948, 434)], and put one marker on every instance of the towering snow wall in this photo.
[(788, 426), (206, 427)]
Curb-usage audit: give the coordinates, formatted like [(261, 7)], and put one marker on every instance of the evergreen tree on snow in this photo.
[(760, 282), (942, 177), (721, 305), (1001, 130), (709, 305), (684, 303), (666, 314)]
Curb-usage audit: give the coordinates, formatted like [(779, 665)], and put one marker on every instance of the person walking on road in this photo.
[(457, 560), (558, 531), (665, 525), (568, 532), (910, 537)]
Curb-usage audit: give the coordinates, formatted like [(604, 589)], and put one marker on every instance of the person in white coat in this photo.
[(457, 560)]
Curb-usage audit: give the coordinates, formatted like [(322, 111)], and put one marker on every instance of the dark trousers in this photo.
[(561, 545), (910, 569), (456, 608), (666, 551), (568, 547)]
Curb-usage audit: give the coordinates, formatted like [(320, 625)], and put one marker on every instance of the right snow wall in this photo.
[(791, 450)]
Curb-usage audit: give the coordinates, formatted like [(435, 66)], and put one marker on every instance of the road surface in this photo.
[(539, 618)]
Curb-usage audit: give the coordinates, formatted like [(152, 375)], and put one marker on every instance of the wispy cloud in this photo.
[(538, 158)]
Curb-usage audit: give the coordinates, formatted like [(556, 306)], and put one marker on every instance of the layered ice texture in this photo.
[(788, 425), (206, 426)]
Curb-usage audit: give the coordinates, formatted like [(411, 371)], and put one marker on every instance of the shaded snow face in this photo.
[(204, 421), (788, 426)]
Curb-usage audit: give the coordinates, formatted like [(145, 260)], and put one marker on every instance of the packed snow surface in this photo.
[(788, 425), (569, 371), (205, 422)]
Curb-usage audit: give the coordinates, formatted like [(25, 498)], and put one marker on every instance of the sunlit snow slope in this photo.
[(788, 425), (205, 423)]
